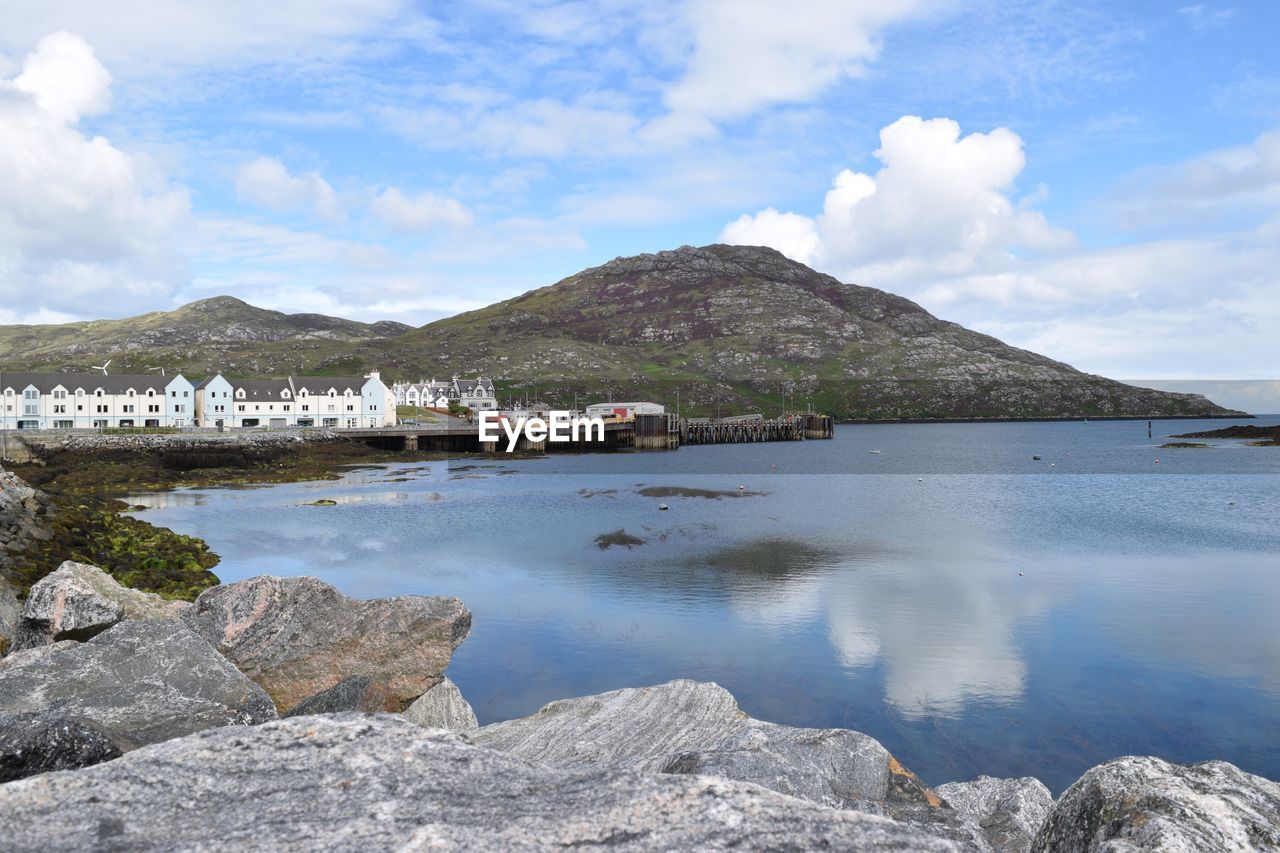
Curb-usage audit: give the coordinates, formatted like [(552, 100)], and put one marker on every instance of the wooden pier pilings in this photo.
[(743, 430)]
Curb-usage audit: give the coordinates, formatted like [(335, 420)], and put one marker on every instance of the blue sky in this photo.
[(1096, 181)]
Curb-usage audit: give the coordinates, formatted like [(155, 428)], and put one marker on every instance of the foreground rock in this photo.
[(443, 707), (356, 782), (689, 727), (141, 682), (9, 614), (1139, 803), (299, 636), (34, 743), (78, 601), (1010, 811)]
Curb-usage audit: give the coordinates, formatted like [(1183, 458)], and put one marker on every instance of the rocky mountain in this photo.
[(208, 332), (727, 328), (745, 328)]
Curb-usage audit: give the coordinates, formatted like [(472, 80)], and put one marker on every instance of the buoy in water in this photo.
[(662, 506), (1036, 458), (877, 452), (1019, 574), (1157, 461), (741, 488), (1053, 464)]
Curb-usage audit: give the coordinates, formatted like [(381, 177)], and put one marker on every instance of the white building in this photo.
[(623, 411), (94, 400), (427, 395), (475, 393), (298, 401)]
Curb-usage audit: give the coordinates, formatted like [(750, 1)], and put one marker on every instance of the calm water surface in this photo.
[(976, 610)]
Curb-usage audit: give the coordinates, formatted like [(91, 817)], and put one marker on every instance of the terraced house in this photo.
[(94, 400), (297, 401)]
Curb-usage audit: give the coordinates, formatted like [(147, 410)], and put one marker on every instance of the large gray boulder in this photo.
[(33, 743), (442, 707), (379, 782), (690, 727), (1140, 803), (9, 614), (141, 682), (1010, 811), (78, 601), (299, 636), (353, 693)]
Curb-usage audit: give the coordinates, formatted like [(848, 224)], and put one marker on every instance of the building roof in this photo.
[(118, 383), (320, 385), (263, 389), (467, 386)]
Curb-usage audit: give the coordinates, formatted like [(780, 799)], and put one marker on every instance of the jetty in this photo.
[(643, 432)]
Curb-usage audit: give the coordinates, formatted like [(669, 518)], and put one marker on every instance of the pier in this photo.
[(644, 432)]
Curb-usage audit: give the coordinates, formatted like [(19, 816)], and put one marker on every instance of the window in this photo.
[(130, 392), (59, 394), (240, 408), (31, 394), (151, 392)]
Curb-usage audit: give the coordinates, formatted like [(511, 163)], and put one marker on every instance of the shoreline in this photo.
[(1047, 419)]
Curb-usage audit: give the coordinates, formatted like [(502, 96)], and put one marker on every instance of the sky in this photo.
[(1095, 181)]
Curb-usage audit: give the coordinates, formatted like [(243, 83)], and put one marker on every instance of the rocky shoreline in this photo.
[(278, 713), (40, 530)]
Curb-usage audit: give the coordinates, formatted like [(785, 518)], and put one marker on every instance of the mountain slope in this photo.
[(728, 328), (210, 330), (737, 324)]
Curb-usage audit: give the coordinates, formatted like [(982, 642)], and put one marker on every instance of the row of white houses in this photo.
[(95, 400), (476, 394)]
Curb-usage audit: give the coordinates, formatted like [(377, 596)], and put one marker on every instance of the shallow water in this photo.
[(976, 610)]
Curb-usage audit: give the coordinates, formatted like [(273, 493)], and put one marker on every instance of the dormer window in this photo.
[(130, 392), (285, 393), (151, 392), (97, 392), (239, 393)]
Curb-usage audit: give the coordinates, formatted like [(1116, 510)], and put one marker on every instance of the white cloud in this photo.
[(266, 182), (749, 54), (941, 204), (425, 212), (1216, 184), (939, 223), (146, 35), (82, 222)]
